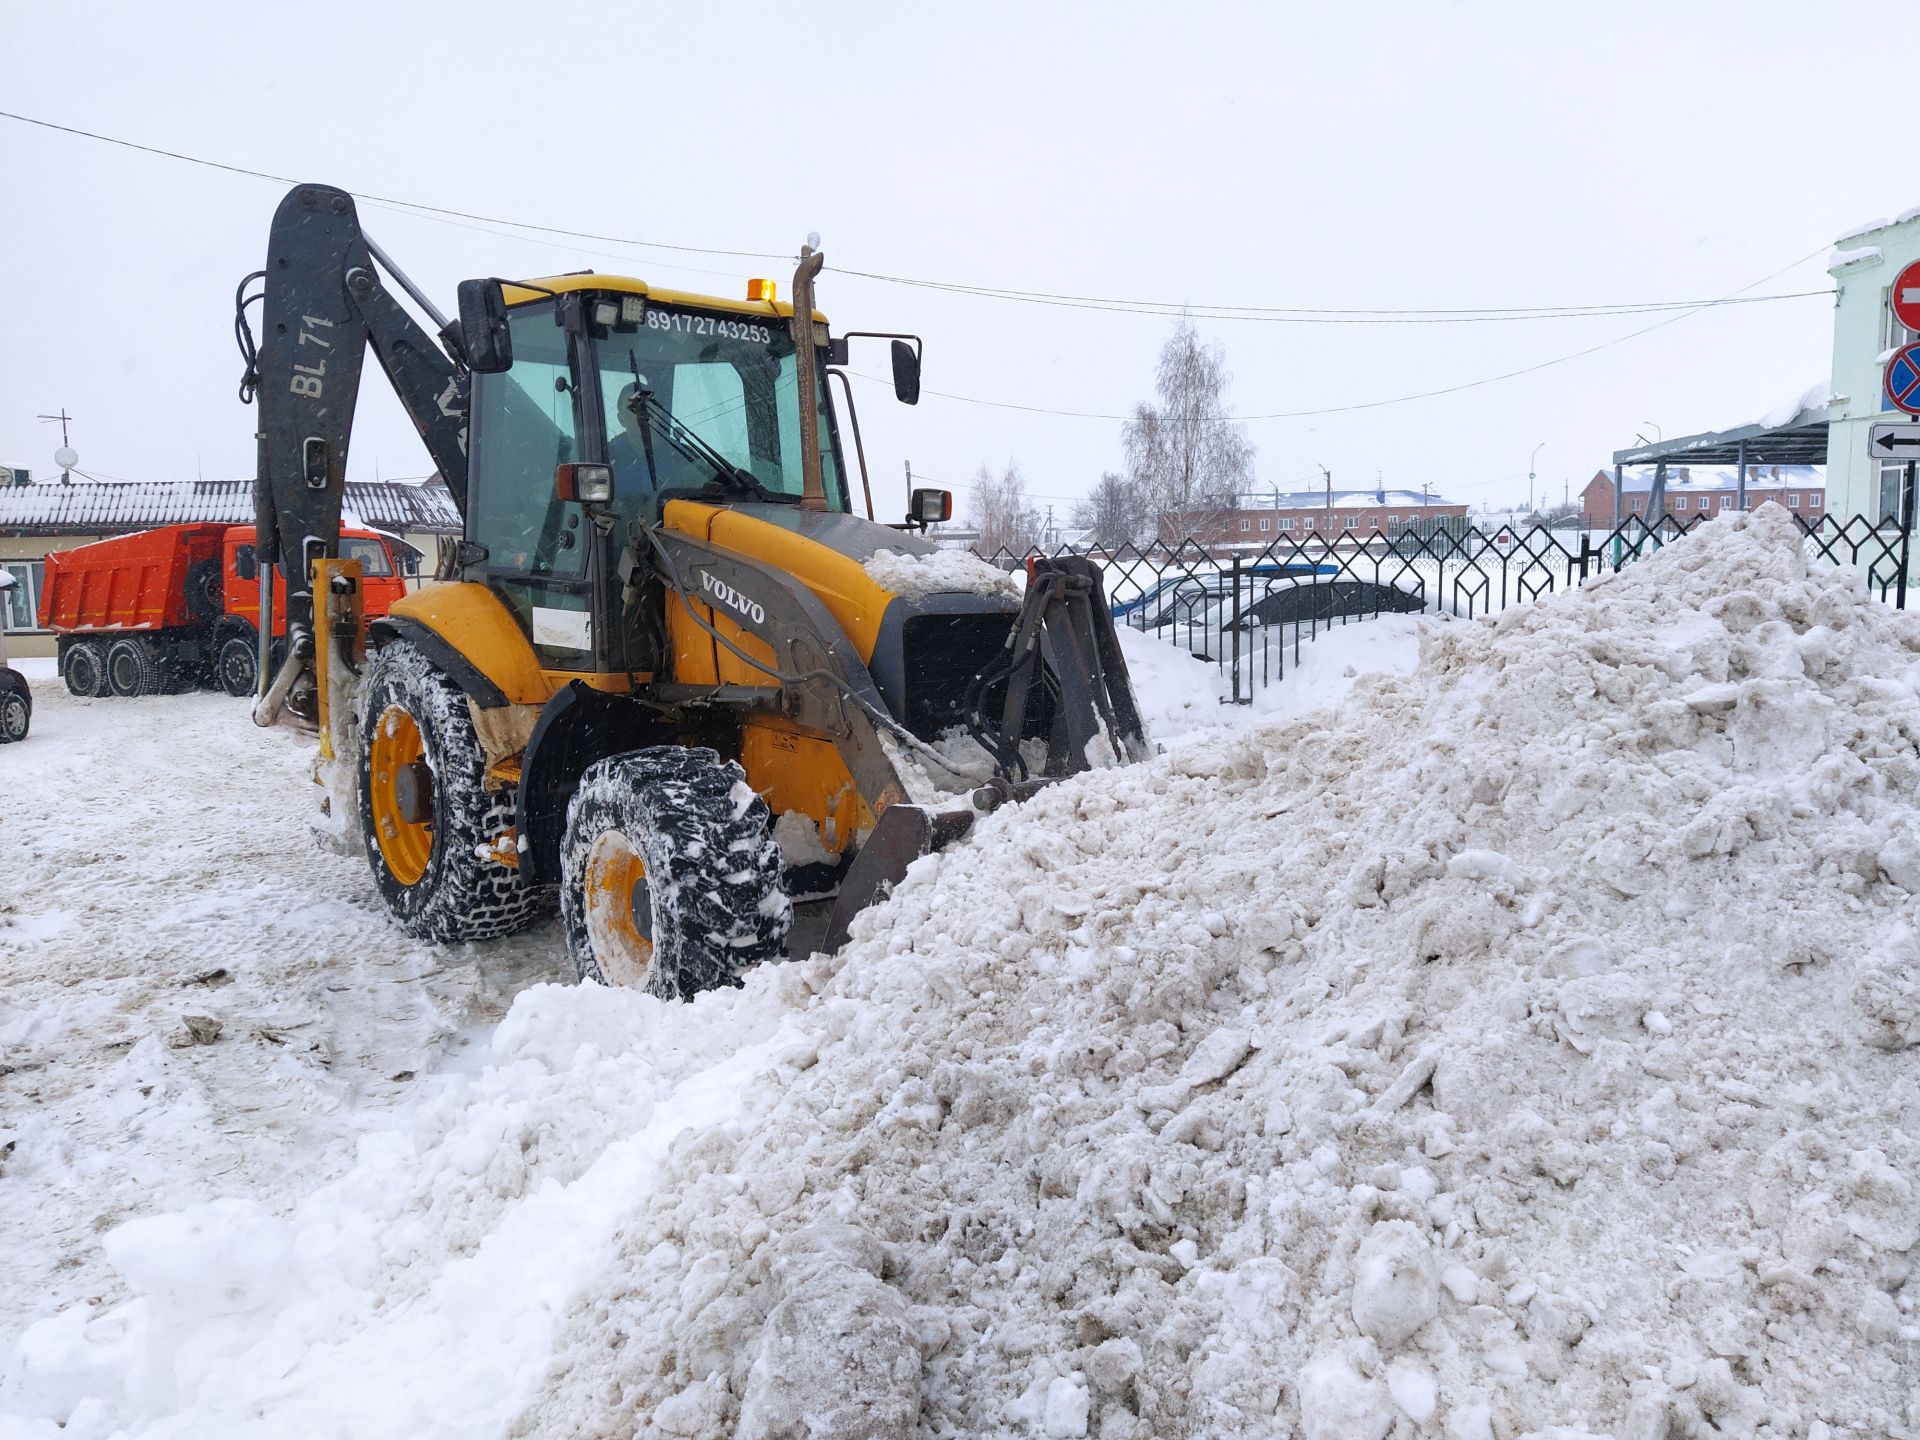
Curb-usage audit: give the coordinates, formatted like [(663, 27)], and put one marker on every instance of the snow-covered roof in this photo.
[(1872, 225), (1793, 433), (103, 508), (1716, 477), (1342, 500)]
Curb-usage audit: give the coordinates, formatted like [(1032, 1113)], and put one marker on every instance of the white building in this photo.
[(1865, 335)]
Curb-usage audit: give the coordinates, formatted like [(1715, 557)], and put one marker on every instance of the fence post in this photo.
[(1906, 535), (1234, 625)]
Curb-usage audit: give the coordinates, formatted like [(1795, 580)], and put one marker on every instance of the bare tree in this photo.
[(1185, 455), (1005, 517), (1116, 513)]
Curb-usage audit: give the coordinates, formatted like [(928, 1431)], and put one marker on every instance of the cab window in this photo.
[(522, 429)]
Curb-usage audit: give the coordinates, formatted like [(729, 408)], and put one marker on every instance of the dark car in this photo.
[(16, 701)]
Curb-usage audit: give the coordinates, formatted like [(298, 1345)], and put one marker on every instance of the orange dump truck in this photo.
[(178, 608)]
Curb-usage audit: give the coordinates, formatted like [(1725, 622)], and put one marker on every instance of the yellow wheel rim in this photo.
[(615, 874), (406, 845)]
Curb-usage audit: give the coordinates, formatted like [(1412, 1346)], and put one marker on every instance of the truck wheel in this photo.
[(84, 668), (669, 874), (425, 811), (132, 669), (16, 708), (237, 667)]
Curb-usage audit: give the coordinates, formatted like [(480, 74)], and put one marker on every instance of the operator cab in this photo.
[(676, 395)]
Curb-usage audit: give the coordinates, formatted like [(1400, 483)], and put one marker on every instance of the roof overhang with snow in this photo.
[(1801, 440)]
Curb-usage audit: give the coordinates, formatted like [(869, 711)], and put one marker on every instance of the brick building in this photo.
[(1306, 514), (1696, 490)]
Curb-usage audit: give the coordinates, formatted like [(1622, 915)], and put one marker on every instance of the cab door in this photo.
[(526, 422)]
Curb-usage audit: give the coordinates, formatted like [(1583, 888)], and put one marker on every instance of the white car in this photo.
[(16, 701)]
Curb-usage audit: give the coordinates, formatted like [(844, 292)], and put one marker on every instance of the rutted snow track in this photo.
[(199, 1000)]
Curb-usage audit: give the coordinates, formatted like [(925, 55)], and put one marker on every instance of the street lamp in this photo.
[(1658, 436), (1530, 459)]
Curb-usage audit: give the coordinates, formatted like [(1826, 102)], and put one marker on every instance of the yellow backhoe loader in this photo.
[(667, 679)]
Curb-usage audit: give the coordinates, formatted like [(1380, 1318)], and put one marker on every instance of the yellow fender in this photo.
[(469, 632)]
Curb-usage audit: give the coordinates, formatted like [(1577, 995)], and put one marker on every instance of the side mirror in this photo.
[(484, 335), (244, 563), (837, 350), (906, 383), (930, 507)]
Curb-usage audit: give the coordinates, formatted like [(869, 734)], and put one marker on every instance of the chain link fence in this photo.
[(1249, 611)]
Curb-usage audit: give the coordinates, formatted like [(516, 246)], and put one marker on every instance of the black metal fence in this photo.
[(1249, 611)]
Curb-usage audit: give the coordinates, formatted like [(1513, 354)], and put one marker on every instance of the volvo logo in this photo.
[(732, 598)]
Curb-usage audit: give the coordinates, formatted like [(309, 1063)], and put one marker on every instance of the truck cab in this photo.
[(381, 581)]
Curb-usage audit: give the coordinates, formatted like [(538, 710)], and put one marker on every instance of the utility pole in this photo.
[(1047, 533), (1329, 474)]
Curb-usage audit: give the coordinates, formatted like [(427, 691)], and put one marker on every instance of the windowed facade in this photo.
[(1245, 525), (1353, 522), (20, 606), (1266, 522), (1892, 473)]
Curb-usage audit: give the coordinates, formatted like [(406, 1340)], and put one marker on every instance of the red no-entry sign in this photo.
[(1905, 297)]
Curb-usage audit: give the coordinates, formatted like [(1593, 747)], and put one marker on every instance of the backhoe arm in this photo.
[(325, 304)]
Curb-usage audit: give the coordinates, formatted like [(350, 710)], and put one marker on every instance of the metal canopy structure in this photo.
[(1802, 440)]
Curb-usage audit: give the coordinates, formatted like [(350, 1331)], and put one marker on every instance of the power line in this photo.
[(1364, 404), (1264, 314), (384, 199), (1277, 315)]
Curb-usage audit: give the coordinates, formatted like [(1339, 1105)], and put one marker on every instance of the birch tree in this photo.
[(1186, 456)]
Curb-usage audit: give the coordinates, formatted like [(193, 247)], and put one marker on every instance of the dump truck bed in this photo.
[(149, 581)]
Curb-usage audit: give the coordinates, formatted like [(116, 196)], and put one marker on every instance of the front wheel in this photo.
[(433, 830), (237, 666), (16, 707), (670, 875)]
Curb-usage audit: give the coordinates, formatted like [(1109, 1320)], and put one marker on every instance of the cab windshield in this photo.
[(371, 554), (728, 379)]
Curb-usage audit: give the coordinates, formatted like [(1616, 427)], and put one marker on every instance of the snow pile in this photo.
[(1528, 1053), (940, 572)]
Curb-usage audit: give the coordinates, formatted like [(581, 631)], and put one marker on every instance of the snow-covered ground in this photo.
[(1524, 1049)]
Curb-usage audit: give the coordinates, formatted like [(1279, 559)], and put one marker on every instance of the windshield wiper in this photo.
[(689, 443)]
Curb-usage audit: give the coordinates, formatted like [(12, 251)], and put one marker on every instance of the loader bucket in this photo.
[(901, 836)]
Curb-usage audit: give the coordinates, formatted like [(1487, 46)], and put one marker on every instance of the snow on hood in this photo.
[(1527, 1049), (939, 572)]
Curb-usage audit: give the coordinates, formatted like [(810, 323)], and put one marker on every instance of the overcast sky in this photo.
[(1485, 153)]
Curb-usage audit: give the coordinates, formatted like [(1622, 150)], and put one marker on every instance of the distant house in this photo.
[(1696, 490), (1305, 514), (38, 519)]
